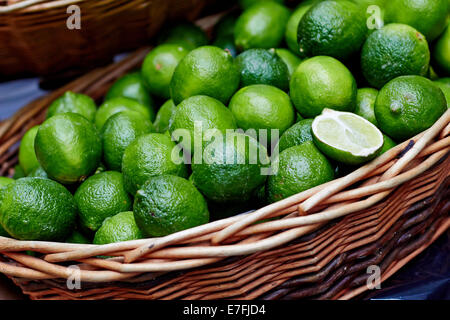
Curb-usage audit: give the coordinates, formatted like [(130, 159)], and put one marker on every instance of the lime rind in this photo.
[(346, 137)]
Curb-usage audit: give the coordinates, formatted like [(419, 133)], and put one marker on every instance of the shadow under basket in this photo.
[(382, 214)]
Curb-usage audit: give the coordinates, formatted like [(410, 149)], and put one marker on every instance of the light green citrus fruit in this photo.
[(248, 3), (441, 53), (365, 103), (444, 85), (392, 51), (68, 147), (37, 209), (27, 155), (121, 227), (231, 168), (322, 82), (186, 34), (299, 168), (118, 132), (38, 172), (73, 102), (261, 26), (291, 60), (159, 65), (262, 107), (297, 134), (408, 105), (120, 104), (166, 204), (291, 33), (150, 155), (201, 112), (163, 116), (332, 28), (207, 71), (346, 137), (101, 196)]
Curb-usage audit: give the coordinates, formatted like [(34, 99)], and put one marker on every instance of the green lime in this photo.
[(427, 16), (299, 168), (261, 66), (226, 43), (73, 102), (262, 107), (297, 134), (408, 105), (77, 237), (68, 147), (118, 132), (18, 172), (261, 26), (131, 86), (37, 209), (291, 60), (346, 137), (207, 71), (322, 82), (392, 51), (365, 103), (248, 3), (166, 204), (119, 104), (441, 53), (388, 143), (291, 33), (231, 168), (444, 85), (101, 196), (163, 116), (38, 172), (27, 155), (197, 115), (332, 28), (186, 34), (4, 181), (121, 227), (150, 155), (159, 65)]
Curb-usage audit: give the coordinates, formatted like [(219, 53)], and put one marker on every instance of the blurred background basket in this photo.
[(35, 39)]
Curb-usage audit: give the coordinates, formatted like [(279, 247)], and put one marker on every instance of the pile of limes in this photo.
[(281, 100)]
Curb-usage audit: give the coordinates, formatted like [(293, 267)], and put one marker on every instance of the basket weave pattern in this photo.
[(383, 213)]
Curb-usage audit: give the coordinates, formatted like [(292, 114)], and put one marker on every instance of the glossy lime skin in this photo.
[(291, 60), (150, 155), (322, 82), (208, 71), (37, 209), (299, 168), (73, 102), (392, 51), (166, 204), (291, 33), (261, 66), (4, 181), (159, 65), (332, 28), (231, 168), (120, 104), (365, 103), (444, 85), (68, 147), (27, 155), (101, 196), (261, 26), (297, 134), (262, 107), (38, 172), (187, 34), (118, 132), (131, 86), (441, 53), (408, 105), (207, 112), (427, 16), (121, 227), (163, 116)]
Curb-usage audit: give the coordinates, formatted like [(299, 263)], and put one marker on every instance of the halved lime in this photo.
[(346, 137)]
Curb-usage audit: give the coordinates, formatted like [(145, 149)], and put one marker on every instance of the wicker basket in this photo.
[(384, 213), (35, 39)]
